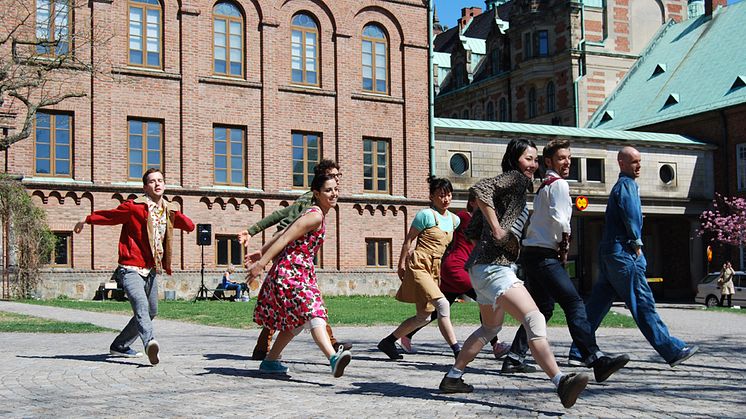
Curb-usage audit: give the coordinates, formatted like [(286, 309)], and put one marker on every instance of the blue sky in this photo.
[(450, 10)]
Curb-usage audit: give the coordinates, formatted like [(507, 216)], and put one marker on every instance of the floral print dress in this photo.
[(290, 295)]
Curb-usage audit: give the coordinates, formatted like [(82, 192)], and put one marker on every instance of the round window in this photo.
[(667, 174), (459, 163)]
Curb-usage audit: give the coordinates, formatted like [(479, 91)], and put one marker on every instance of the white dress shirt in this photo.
[(552, 213)]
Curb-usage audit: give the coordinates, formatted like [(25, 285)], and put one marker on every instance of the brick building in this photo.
[(691, 81), (545, 62), (236, 100)]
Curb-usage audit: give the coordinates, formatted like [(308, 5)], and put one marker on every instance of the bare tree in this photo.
[(44, 46)]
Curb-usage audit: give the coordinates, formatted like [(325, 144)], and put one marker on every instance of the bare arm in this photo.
[(406, 250), (306, 223)]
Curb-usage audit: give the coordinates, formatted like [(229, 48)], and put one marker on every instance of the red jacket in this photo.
[(135, 241)]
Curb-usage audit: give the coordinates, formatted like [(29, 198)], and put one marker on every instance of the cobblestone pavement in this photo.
[(206, 372)]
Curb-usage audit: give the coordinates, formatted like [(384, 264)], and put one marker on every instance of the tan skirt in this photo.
[(421, 282)]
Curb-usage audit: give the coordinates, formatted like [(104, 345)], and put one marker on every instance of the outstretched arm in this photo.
[(119, 215), (306, 223)]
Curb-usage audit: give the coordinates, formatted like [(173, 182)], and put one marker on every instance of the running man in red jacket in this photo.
[(144, 251)]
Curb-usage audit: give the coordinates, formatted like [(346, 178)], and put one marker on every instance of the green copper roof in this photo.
[(559, 131), (695, 66)]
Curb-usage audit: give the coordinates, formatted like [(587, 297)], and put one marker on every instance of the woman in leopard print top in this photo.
[(502, 202)]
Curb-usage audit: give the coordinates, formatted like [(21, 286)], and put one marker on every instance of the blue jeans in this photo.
[(547, 281), (142, 292), (234, 286), (623, 275)]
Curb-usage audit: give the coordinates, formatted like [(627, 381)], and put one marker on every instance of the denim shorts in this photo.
[(492, 281)]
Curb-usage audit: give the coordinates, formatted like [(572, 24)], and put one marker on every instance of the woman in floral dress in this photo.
[(290, 299)]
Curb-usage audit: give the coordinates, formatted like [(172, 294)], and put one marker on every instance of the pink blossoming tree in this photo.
[(726, 222)]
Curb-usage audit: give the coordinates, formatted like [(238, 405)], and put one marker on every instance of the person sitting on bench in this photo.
[(229, 284)]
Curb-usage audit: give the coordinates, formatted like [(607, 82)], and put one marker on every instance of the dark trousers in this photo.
[(729, 297), (547, 281)]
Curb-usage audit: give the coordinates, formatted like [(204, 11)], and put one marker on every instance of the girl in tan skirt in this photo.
[(419, 269)]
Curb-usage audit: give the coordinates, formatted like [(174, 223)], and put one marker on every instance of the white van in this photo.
[(708, 290)]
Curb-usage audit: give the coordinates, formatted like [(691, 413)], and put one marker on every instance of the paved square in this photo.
[(206, 372)]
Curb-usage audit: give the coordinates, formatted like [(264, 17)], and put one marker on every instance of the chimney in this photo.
[(712, 5), (467, 14)]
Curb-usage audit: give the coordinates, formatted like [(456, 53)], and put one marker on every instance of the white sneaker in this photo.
[(406, 345), (152, 349)]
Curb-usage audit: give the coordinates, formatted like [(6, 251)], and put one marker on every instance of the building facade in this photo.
[(235, 100), (676, 185), (691, 81), (547, 62)]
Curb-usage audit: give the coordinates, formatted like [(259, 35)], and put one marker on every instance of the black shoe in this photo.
[(258, 355), (454, 385), (606, 365), (346, 346), (685, 354), (570, 387), (511, 366), (389, 348)]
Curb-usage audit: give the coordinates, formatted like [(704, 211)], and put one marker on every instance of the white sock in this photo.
[(556, 379), (454, 373)]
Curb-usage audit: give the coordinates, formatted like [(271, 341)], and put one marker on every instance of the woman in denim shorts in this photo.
[(498, 229)]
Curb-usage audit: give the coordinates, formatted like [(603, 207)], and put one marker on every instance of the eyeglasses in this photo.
[(336, 175)]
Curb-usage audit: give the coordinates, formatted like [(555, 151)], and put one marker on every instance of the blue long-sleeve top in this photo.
[(624, 213)]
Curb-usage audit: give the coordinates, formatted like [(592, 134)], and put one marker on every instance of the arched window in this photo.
[(532, 102), (145, 33), (503, 110), (375, 59), (227, 40), (490, 111), (305, 50), (551, 97), (53, 27)]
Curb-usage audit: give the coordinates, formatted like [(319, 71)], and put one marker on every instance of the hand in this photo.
[(251, 258), (244, 237), (255, 270), (79, 227), (499, 234), (563, 257), (638, 251)]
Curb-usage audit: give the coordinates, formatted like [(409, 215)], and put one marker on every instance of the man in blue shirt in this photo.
[(622, 266)]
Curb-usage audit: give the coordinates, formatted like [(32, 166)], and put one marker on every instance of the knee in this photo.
[(442, 307), (535, 325), (487, 333)]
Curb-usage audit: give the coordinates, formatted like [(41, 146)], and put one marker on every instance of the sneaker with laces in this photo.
[(339, 361), (570, 387), (269, 366), (389, 349), (511, 366), (685, 354), (500, 349), (152, 349), (454, 385), (124, 352), (406, 344), (606, 365)]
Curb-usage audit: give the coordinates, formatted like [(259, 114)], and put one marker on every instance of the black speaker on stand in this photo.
[(204, 238)]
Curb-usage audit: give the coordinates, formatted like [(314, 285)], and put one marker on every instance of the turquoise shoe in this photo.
[(339, 361), (273, 367)]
